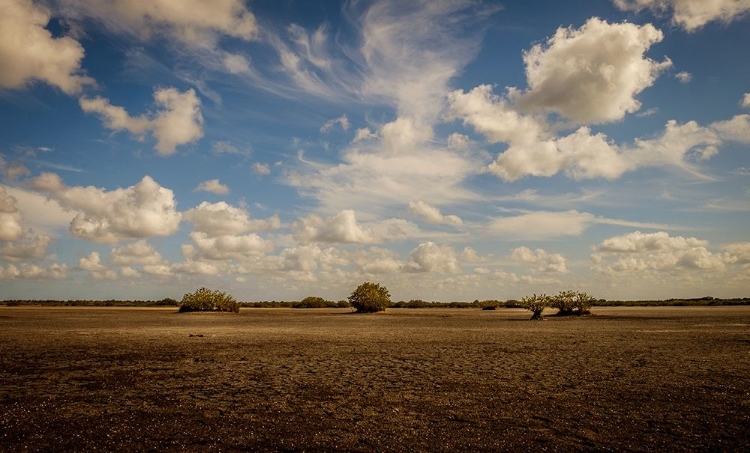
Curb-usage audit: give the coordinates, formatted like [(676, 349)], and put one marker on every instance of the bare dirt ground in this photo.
[(638, 379)]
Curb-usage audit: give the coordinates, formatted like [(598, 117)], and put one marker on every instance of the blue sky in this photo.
[(451, 150)]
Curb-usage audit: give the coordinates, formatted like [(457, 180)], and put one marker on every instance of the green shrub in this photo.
[(204, 299), (536, 304), (343, 304), (416, 303), (571, 303), (314, 302), (370, 297)]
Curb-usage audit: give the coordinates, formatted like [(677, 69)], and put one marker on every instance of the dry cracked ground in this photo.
[(115, 379)]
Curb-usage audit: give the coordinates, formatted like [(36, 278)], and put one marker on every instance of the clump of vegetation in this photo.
[(536, 304), (204, 299), (315, 302), (369, 298), (489, 304), (572, 303)]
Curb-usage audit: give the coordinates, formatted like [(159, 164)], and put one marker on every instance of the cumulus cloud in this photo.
[(227, 247), (27, 271), (431, 257), (344, 228), (745, 102), (639, 252), (11, 227), (92, 262), (736, 129), (494, 116), (342, 121), (691, 14), (140, 211), (136, 253), (591, 74), (30, 53), (28, 246), (684, 76), (582, 154), (177, 122), (378, 260), (219, 219), (544, 262), (213, 186), (432, 214), (192, 22)]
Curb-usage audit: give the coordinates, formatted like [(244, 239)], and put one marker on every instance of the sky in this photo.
[(448, 149)]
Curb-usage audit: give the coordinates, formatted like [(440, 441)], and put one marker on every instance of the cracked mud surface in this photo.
[(114, 379)]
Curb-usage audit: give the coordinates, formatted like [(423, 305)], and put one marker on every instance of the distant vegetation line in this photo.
[(317, 302)]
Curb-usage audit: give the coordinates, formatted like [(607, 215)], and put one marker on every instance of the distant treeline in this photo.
[(166, 302), (319, 302)]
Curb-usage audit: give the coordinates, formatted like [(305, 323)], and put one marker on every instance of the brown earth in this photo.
[(638, 379)]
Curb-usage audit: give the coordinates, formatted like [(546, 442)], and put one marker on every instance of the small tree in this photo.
[(204, 299), (565, 302), (370, 298), (536, 304), (583, 303)]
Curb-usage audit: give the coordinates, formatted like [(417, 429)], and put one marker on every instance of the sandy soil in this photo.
[(638, 379)]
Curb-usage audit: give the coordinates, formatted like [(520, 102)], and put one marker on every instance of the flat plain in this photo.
[(124, 379)]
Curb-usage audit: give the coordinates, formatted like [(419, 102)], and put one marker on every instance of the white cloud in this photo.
[(236, 64), (27, 271), (369, 177), (591, 74), (547, 263), (378, 260), (430, 257), (225, 147), (261, 169), (129, 272), (411, 53), (143, 210), (541, 225), (11, 228), (494, 117), (403, 135), (684, 76), (736, 129), (29, 52), (344, 228), (228, 247), (342, 121), (199, 267), (139, 252), (691, 14), (458, 141), (192, 22), (432, 214), (363, 133), (638, 252), (213, 186), (738, 252), (12, 171), (28, 246), (92, 262), (177, 122), (745, 102), (220, 219)]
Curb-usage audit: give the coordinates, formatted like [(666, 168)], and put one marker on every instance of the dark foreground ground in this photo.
[(109, 379)]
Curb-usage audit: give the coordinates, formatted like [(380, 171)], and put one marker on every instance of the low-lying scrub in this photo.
[(204, 299)]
